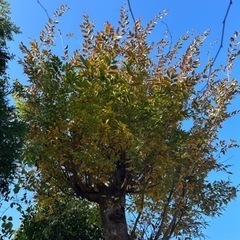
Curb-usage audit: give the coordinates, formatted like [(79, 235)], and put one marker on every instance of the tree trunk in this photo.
[(112, 211)]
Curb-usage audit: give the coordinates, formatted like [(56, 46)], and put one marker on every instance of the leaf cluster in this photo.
[(7, 29)]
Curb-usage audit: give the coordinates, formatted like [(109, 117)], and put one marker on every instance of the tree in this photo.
[(7, 28), (107, 125), (11, 130), (61, 219)]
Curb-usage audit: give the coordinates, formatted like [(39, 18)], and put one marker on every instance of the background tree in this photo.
[(61, 219), (11, 130), (108, 124)]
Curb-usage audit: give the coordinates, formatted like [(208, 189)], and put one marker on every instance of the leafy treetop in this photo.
[(108, 121)]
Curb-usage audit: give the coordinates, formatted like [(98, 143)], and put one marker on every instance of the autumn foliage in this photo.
[(129, 125)]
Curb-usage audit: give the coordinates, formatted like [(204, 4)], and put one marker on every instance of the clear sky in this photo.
[(183, 16)]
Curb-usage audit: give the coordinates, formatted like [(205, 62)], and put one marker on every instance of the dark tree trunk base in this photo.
[(114, 222)]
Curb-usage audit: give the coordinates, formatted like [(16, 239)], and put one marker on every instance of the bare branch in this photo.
[(163, 215), (222, 35), (177, 215), (141, 211), (44, 9), (130, 9), (139, 216)]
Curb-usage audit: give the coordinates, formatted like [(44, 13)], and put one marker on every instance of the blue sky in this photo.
[(183, 16)]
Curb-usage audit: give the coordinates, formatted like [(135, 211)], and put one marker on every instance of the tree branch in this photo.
[(140, 212), (174, 221), (164, 214), (170, 35), (131, 12), (222, 36), (44, 9)]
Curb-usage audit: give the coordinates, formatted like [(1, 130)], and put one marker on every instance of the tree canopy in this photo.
[(11, 130), (107, 123)]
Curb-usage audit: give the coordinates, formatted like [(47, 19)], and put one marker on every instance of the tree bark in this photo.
[(112, 211)]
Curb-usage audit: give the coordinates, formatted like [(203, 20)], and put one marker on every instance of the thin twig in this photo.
[(130, 9), (170, 35), (44, 9), (222, 36)]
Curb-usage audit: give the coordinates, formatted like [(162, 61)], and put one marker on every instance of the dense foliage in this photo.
[(106, 123), (7, 28), (61, 220), (11, 130)]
